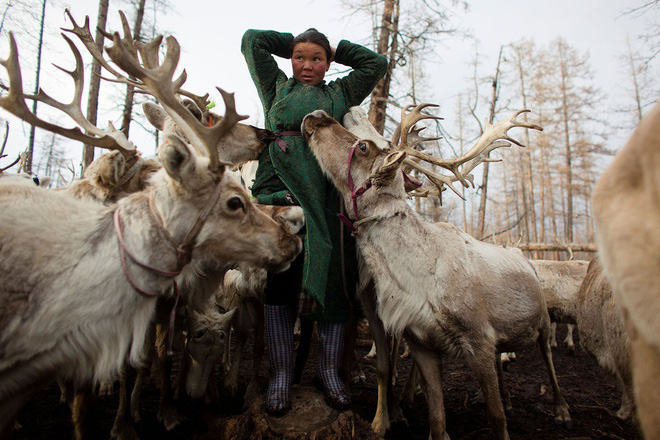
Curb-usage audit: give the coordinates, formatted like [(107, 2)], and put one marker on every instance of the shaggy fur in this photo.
[(446, 292), (102, 177), (69, 311), (626, 206)]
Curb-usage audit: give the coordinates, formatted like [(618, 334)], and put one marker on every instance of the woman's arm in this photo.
[(368, 68), (258, 48)]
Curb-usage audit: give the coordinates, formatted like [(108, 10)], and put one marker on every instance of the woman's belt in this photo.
[(277, 137)]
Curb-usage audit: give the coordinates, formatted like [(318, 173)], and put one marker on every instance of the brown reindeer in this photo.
[(626, 207), (602, 332), (446, 292)]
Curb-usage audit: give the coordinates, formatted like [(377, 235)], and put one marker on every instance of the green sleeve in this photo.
[(258, 48), (368, 68)]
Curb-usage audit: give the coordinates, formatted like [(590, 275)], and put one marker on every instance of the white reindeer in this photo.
[(446, 292), (626, 207), (560, 282), (80, 285)]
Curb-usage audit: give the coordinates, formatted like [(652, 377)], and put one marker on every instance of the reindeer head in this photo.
[(353, 164), (205, 342), (335, 148), (233, 228), (244, 142)]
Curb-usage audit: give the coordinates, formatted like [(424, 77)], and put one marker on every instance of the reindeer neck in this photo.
[(144, 237), (378, 210)]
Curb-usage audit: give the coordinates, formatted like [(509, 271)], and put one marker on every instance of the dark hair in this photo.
[(311, 35)]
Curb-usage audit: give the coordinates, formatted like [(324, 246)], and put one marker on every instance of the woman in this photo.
[(289, 174)]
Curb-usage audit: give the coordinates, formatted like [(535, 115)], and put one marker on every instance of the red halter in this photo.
[(354, 194)]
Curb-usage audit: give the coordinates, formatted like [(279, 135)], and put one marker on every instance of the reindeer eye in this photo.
[(362, 146), (235, 203), (199, 334)]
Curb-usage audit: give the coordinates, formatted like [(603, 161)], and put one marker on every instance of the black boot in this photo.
[(331, 345), (279, 322)]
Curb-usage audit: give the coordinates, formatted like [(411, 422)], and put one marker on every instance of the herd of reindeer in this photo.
[(103, 278)]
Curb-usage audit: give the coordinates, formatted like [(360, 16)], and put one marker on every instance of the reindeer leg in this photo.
[(381, 421), (506, 397), (231, 379), (485, 365), (553, 334), (83, 412), (410, 388), (387, 405), (562, 415), (124, 427), (570, 345), (167, 412), (252, 390), (429, 368)]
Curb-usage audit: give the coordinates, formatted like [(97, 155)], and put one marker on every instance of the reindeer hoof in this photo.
[(379, 429), (563, 418), (568, 424), (170, 417)]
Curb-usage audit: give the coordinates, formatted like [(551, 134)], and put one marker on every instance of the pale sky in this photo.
[(210, 31)]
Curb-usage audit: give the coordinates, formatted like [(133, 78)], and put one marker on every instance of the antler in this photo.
[(14, 103), (157, 77), (85, 36), (461, 166)]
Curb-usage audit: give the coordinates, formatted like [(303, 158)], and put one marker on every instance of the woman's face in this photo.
[(309, 62)]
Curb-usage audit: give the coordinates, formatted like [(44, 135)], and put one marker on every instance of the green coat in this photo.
[(286, 101)]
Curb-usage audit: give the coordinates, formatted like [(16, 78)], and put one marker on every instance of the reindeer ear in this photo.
[(176, 156), (228, 317), (389, 168), (155, 115)]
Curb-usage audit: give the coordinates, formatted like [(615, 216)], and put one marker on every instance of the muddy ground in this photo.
[(592, 396)]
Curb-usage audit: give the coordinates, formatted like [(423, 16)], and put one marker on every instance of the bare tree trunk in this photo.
[(388, 46), (95, 79), (484, 181), (636, 88), (27, 167), (130, 90), (528, 155), (567, 147)]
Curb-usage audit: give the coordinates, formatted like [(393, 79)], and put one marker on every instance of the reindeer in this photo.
[(626, 211), (89, 264), (560, 282), (446, 292), (602, 332), (108, 178)]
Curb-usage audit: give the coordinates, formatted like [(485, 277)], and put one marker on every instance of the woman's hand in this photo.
[(332, 54)]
